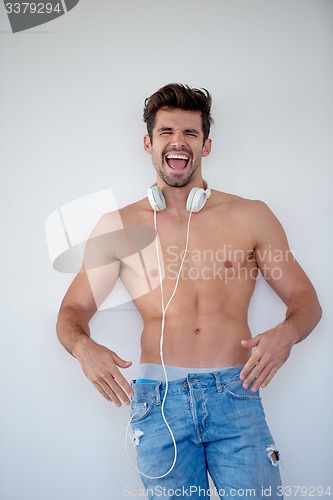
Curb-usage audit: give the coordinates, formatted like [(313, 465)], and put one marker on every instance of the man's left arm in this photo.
[(283, 273)]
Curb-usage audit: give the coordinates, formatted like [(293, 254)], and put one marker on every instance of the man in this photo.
[(212, 408)]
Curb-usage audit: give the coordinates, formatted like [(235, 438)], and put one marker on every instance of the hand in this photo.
[(100, 365), (272, 349)]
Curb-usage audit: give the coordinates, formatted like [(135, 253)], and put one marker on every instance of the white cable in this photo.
[(164, 310)]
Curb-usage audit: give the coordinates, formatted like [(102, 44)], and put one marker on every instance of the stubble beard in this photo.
[(177, 180)]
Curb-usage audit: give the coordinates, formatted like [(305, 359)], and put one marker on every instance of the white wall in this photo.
[(71, 97)]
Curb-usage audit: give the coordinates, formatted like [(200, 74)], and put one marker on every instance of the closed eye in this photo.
[(169, 131)]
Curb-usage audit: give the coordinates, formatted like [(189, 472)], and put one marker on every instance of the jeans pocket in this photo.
[(140, 409), (237, 391)]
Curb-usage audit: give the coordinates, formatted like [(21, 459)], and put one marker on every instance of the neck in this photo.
[(176, 197)]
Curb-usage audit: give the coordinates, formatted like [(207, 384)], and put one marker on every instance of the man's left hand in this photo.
[(272, 349)]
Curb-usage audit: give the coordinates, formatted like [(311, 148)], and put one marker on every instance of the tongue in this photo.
[(177, 164)]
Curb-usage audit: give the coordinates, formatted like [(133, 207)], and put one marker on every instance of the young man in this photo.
[(212, 408)]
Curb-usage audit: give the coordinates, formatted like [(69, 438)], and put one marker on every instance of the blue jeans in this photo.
[(219, 427)]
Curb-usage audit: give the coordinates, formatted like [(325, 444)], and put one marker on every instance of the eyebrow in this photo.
[(170, 129)]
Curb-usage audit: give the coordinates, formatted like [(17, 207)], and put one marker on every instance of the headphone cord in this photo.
[(164, 310)]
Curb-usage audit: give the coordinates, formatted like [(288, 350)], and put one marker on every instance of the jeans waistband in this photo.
[(194, 380)]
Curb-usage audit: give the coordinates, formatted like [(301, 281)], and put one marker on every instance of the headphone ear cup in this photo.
[(197, 199), (156, 198)]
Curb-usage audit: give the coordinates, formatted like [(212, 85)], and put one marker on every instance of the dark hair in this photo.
[(178, 96)]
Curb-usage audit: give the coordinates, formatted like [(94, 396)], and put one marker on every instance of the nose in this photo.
[(178, 139)]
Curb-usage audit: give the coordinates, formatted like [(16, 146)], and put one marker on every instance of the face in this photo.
[(177, 146)]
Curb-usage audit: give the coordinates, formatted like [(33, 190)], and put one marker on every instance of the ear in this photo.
[(147, 144), (207, 147)]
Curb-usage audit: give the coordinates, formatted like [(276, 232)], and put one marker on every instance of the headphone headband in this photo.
[(195, 201)]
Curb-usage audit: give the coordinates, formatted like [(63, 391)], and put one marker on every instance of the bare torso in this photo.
[(230, 239), (207, 318)]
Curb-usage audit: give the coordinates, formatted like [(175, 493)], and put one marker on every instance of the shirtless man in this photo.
[(214, 368)]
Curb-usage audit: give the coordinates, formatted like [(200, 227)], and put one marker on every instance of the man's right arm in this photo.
[(88, 290)]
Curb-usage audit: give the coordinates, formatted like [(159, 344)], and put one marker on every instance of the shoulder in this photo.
[(137, 213), (129, 216), (240, 206), (126, 216), (251, 217)]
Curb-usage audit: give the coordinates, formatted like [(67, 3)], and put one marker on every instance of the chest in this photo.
[(216, 252), (210, 243), (219, 248)]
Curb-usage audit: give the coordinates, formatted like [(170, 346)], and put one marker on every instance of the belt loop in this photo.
[(218, 382), (157, 393)]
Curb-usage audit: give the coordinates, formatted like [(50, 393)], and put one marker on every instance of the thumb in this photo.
[(249, 344), (121, 362)]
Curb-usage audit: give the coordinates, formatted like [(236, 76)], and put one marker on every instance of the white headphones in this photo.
[(195, 201)]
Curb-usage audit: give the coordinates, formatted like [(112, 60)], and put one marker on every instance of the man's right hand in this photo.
[(100, 365)]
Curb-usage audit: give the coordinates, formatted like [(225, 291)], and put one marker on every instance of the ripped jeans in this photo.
[(219, 427)]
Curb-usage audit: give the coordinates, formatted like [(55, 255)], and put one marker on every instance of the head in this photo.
[(178, 124), (178, 96)]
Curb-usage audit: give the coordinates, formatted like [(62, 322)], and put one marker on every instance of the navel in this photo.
[(197, 331)]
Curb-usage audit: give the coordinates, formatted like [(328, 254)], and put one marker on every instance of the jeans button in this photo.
[(185, 384)]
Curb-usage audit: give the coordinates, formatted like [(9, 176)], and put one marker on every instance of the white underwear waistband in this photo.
[(152, 371)]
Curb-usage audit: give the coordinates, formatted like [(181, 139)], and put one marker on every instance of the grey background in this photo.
[(71, 97)]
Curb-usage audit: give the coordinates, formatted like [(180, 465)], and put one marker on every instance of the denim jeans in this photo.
[(219, 427)]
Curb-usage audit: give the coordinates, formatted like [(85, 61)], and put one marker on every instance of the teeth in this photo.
[(177, 157)]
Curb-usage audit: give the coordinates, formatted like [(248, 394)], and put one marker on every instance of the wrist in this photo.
[(81, 345), (289, 331)]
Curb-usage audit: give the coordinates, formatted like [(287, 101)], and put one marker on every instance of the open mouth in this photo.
[(177, 161)]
